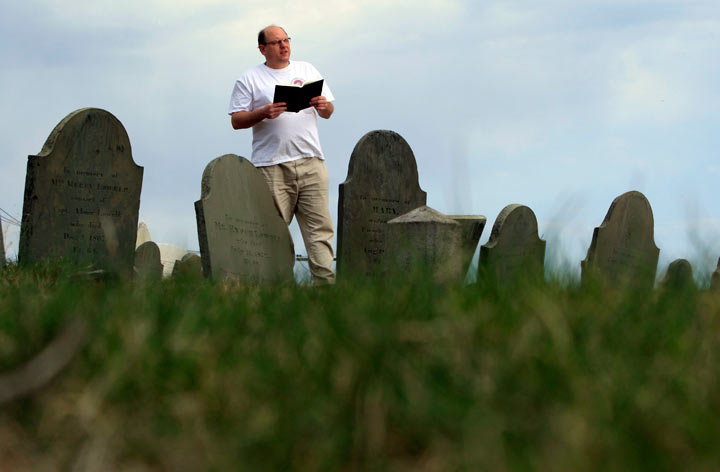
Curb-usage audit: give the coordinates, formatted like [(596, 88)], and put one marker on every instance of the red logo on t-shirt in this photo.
[(297, 82)]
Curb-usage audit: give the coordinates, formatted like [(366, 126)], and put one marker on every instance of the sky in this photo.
[(558, 105)]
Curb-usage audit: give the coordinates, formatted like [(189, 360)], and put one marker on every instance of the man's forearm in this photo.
[(327, 112), (246, 119)]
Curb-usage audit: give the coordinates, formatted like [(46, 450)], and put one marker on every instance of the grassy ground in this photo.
[(188, 375)]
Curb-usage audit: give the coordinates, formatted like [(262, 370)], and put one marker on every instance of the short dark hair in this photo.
[(261, 35)]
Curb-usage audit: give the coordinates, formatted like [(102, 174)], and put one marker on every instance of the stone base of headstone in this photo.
[(190, 266), (147, 261), (514, 253), (425, 239)]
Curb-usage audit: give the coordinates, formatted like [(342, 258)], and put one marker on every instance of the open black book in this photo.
[(298, 97)]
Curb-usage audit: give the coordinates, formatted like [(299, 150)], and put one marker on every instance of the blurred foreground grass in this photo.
[(187, 375)]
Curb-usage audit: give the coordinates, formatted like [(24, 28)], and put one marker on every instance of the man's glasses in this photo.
[(277, 42)]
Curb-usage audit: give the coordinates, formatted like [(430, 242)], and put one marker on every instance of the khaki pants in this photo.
[(300, 188)]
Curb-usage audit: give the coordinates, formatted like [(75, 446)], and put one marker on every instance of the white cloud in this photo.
[(645, 94)]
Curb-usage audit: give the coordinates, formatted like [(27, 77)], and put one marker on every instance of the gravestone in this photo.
[(189, 266), (381, 184), (82, 195), (143, 234), (679, 275), (514, 251), (147, 261), (429, 240), (242, 236), (715, 278), (2, 247), (623, 247), (169, 254)]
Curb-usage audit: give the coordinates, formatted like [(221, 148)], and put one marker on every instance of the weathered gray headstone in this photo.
[(143, 234), (242, 236), (429, 240), (679, 275), (82, 195), (514, 251), (623, 249), (715, 278), (147, 261), (189, 266), (381, 184)]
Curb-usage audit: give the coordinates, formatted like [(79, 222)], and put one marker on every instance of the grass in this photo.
[(401, 375)]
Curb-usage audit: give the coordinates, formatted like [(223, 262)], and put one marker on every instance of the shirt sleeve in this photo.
[(241, 98), (326, 92)]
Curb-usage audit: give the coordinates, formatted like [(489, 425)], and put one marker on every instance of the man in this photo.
[(286, 146)]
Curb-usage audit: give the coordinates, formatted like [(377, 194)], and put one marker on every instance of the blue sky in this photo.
[(559, 105)]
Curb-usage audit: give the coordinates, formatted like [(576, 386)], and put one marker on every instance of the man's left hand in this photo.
[(320, 103), (324, 108)]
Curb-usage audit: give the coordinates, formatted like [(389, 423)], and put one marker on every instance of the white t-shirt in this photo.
[(290, 136)]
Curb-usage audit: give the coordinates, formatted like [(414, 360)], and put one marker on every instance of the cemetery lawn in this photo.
[(188, 375)]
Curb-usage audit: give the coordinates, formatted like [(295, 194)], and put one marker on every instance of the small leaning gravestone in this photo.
[(241, 234), (514, 251), (189, 266), (82, 195), (623, 249), (169, 254), (381, 184)]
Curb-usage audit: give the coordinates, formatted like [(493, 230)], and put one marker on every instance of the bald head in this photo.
[(263, 32), (274, 44)]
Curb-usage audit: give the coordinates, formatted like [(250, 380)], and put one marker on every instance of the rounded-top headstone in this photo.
[(82, 195), (147, 261), (514, 250), (381, 184), (679, 275), (241, 234), (623, 247)]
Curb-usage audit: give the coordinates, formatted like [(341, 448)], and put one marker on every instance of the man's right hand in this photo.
[(248, 119), (273, 110)]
